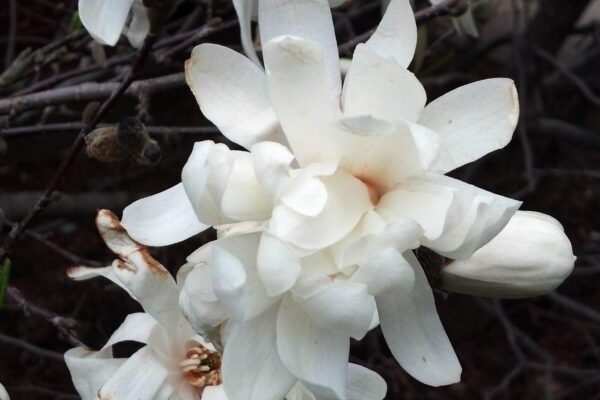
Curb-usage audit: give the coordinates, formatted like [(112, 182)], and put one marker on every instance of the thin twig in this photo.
[(52, 355)]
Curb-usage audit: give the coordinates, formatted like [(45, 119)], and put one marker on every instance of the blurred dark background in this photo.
[(542, 348)]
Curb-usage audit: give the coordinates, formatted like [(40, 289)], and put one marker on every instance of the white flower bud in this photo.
[(531, 256)]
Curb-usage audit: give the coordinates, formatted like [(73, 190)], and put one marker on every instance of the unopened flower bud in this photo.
[(531, 256)]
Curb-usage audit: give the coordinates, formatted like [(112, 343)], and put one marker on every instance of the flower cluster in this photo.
[(318, 222)]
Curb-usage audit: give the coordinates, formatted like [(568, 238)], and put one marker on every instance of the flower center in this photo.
[(202, 367), (371, 187)]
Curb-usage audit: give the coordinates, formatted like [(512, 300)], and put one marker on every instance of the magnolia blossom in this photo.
[(4, 394), (105, 20), (175, 362), (531, 256)]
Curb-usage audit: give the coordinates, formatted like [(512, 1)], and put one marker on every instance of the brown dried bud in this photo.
[(102, 145)]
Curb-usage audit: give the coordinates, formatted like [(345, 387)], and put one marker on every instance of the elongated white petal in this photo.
[(414, 333), (252, 369), (3, 393), (243, 198), (531, 256), (234, 98), (214, 393), (142, 376), (364, 384), (140, 24), (316, 356), (271, 162), (354, 308), (91, 369), (235, 277), (338, 217), (385, 271), (244, 8), (476, 217), (305, 19), (162, 219), (298, 87), (381, 88), (105, 19), (277, 265), (396, 35), (472, 121), (141, 328), (81, 273)]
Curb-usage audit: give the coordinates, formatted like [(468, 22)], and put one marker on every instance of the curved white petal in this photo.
[(364, 384), (531, 256), (252, 369), (162, 219), (305, 19), (141, 328), (81, 273), (141, 376), (414, 333), (243, 198), (232, 94), (396, 35), (91, 369), (244, 9), (316, 356), (214, 393), (385, 271), (199, 303), (381, 88), (271, 162), (277, 265), (105, 19), (472, 121), (298, 87), (139, 26), (205, 177), (305, 194), (235, 278), (338, 217), (353, 310)]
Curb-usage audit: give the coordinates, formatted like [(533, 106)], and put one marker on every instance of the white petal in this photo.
[(396, 35), (235, 98), (140, 24), (364, 384), (81, 273), (105, 19), (244, 9), (141, 328), (316, 356), (205, 177), (244, 199), (277, 265), (162, 219), (476, 217), (531, 256), (305, 19), (472, 121), (414, 333), (199, 303), (90, 369), (214, 393), (353, 310), (381, 88), (252, 369), (142, 376), (385, 271), (339, 216), (305, 194), (298, 82), (271, 162), (235, 278)]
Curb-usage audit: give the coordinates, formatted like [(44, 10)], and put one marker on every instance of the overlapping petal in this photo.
[(91, 369), (105, 19)]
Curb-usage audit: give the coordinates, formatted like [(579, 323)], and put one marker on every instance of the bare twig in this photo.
[(75, 126), (12, 33), (25, 345)]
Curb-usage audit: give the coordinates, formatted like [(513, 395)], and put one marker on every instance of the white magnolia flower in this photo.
[(175, 363), (4, 394), (318, 219), (247, 10), (531, 256), (105, 20)]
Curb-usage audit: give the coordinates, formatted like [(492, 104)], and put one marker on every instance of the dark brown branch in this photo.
[(75, 126)]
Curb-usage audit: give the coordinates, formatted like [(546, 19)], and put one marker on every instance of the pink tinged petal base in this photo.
[(235, 98), (472, 121), (162, 219), (414, 333), (343, 307), (252, 369), (316, 356)]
